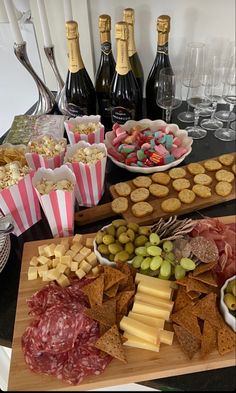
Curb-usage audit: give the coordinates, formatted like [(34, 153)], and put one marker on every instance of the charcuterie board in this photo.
[(197, 204), (142, 365)]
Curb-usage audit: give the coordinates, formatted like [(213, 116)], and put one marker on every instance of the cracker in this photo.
[(195, 168), (223, 188), (212, 165), (202, 191), (105, 314), (225, 339), (180, 184), (186, 196), (122, 189), (189, 344), (111, 343), (123, 300), (226, 159), (206, 309), (197, 286), (119, 205), (187, 320), (161, 178), (234, 168), (158, 190), (223, 175), (209, 336), (204, 267), (142, 181), (182, 299), (203, 179), (94, 291), (139, 195), (177, 173), (141, 209), (112, 276), (171, 205), (207, 278)]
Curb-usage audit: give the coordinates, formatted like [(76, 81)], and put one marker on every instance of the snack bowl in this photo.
[(182, 135), (229, 316)]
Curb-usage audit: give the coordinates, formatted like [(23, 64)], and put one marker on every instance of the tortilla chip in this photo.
[(94, 291), (204, 267), (105, 314), (182, 299), (112, 276), (183, 281), (208, 343), (206, 309), (197, 286), (103, 328), (189, 344), (206, 278), (111, 343), (187, 320), (111, 292), (225, 339), (193, 295), (123, 301)]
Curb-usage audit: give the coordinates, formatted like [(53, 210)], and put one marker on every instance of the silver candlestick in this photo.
[(46, 99), (49, 51)]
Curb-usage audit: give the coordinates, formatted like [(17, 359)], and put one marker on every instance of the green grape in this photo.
[(154, 239), (165, 269), (167, 246), (187, 263), (154, 250), (136, 262), (179, 272), (163, 277), (141, 251), (146, 263), (147, 244), (170, 256), (156, 262)]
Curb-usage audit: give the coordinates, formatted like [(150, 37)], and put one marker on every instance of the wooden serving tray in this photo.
[(142, 365), (199, 203)]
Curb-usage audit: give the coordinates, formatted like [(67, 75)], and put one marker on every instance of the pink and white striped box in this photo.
[(21, 202), (93, 137), (89, 177), (59, 205)]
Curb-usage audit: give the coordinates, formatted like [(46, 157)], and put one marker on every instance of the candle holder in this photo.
[(49, 51), (46, 99)]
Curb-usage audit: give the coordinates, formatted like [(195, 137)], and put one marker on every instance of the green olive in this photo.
[(140, 240), (99, 237), (129, 247), (118, 223), (230, 301), (111, 230), (111, 257), (114, 248), (121, 256), (108, 239), (133, 226), (143, 230), (123, 238), (120, 230), (103, 249), (130, 233)]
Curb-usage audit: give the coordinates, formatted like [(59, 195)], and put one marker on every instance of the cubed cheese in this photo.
[(92, 259), (61, 268), (63, 281), (34, 261), (49, 250), (95, 270), (71, 252), (66, 260), (55, 262), (166, 337), (76, 246), (85, 266), (60, 250), (74, 266), (66, 242), (45, 276), (41, 249), (53, 274), (77, 238), (78, 257), (85, 251), (89, 242), (43, 260), (32, 273), (41, 269), (80, 273)]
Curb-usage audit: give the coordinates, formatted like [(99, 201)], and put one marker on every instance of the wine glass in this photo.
[(193, 67), (233, 125), (229, 95), (168, 94)]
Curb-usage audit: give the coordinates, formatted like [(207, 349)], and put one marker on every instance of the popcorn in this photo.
[(45, 186), (47, 146), (11, 174), (87, 155), (84, 128)]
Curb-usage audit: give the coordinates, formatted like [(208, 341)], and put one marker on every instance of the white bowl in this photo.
[(228, 317), (153, 125)]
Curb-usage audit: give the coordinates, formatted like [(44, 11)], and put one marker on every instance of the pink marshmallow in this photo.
[(178, 152), (161, 150)]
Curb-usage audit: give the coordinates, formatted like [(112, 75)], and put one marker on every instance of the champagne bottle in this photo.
[(161, 61), (126, 102), (79, 90), (105, 71), (129, 17)]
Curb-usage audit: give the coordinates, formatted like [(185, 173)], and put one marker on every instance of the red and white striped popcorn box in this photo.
[(21, 202), (89, 177), (58, 205), (36, 160), (93, 137)]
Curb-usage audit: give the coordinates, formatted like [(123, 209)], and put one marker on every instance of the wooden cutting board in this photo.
[(199, 203), (142, 365)]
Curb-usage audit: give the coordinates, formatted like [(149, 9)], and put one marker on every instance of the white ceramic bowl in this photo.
[(153, 125), (228, 317)]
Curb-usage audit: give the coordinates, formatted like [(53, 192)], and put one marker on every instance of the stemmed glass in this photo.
[(168, 94), (193, 67)]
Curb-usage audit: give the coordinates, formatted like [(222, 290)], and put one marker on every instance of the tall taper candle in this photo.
[(18, 39), (68, 10), (44, 24)]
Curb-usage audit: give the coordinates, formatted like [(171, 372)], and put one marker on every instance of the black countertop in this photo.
[(222, 379)]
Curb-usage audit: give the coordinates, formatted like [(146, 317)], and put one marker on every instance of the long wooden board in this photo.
[(142, 365), (199, 203)]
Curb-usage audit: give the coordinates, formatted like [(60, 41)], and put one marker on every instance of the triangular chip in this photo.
[(112, 276), (94, 291), (193, 295), (189, 344), (208, 343), (197, 286), (206, 309), (111, 343), (103, 328), (187, 320), (183, 281), (206, 278), (204, 267), (111, 292), (225, 340), (123, 299), (182, 299), (106, 313)]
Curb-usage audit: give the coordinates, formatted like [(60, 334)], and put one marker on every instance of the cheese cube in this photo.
[(41, 249), (76, 246), (166, 337), (85, 266), (34, 261), (53, 274), (55, 262), (78, 258), (137, 342), (143, 297), (49, 250), (85, 251), (153, 281), (74, 266), (151, 321), (41, 269), (95, 270), (45, 276), (80, 273), (92, 259), (50, 264), (63, 281), (158, 291), (72, 253), (77, 238), (66, 260), (32, 273), (89, 242), (67, 271), (66, 243), (59, 250), (151, 310), (43, 260), (139, 329), (61, 267)]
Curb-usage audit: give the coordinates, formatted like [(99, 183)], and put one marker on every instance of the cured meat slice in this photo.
[(205, 250)]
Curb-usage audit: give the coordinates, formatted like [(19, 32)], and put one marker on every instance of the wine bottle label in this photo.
[(106, 48), (123, 64), (75, 59), (120, 115), (163, 48), (74, 110)]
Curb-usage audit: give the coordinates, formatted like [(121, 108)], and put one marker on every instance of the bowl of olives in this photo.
[(228, 302)]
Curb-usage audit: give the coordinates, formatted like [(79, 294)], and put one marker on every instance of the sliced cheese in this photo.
[(63, 281), (137, 342), (166, 337), (151, 310), (143, 297), (153, 281), (151, 321), (92, 259), (140, 329), (162, 292), (59, 250), (32, 273)]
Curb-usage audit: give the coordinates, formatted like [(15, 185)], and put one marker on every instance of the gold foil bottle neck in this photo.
[(122, 31), (104, 23), (163, 24), (128, 16), (72, 30)]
